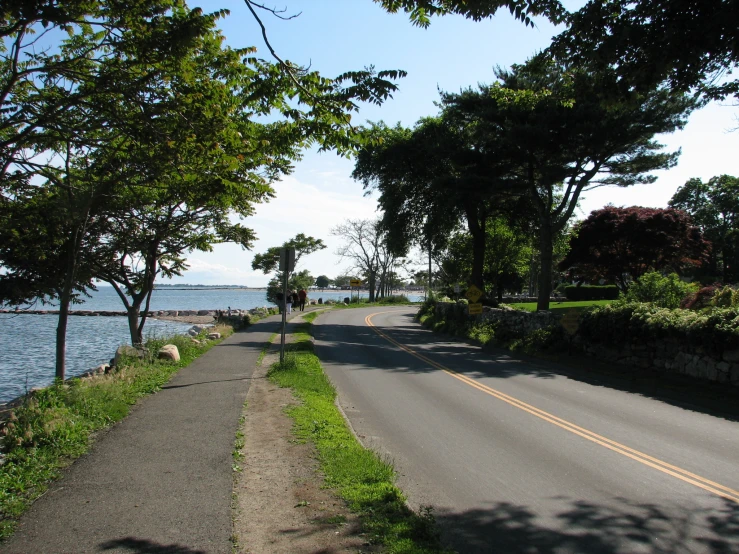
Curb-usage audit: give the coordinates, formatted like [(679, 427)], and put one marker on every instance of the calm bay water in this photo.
[(27, 341)]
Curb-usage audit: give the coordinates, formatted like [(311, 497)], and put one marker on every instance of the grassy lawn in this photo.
[(359, 476), (564, 305)]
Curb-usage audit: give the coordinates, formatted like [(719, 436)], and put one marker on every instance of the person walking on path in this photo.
[(289, 303), (280, 301), (302, 295)]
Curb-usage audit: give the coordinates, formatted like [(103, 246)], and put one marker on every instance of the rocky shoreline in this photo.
[(182, 316)]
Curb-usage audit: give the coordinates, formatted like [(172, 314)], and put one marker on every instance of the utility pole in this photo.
[(287, 264)]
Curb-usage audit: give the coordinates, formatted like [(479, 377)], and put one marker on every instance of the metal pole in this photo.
[(284, 315)]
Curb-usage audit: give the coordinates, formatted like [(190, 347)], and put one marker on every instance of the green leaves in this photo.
[(421, 11)]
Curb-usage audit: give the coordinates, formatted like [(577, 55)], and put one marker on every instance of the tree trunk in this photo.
[(64, 300), (372, 279), (133, 324), (61, 336), (478, 260), (545, 273), (476, 222)]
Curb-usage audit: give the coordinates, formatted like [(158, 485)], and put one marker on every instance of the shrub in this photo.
[(700, 299), (627, 322), (663, 291), (726, 297), (551, 338), (591, 292), (395, 299)]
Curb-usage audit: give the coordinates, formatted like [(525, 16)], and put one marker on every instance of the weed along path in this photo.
[(307, 484), (161, 480), (520, 456), (280, 502)]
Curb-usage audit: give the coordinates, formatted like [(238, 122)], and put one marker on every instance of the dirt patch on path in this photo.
[(280, 505)]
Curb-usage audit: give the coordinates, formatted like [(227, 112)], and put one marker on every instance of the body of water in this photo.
[(27, 342)]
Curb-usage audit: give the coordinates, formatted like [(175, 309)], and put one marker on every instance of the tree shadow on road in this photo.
[(144, 546), (618, 528), (477, 362)]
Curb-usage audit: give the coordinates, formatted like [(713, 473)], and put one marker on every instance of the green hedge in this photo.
[(591, 292), (715, 331)]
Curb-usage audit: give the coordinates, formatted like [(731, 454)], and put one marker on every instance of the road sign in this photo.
[(355, 283), (570, 321), (473, 294), (475, 309)]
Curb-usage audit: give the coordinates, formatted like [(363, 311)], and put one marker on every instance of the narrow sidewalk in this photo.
[(161, 480)]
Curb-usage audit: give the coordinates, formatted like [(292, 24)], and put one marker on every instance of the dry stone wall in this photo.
[(670, 357), (666, 356)]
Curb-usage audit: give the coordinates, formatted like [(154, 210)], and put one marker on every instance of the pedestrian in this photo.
[(296, 299), (280, 298), (289, 303), (302, 295)]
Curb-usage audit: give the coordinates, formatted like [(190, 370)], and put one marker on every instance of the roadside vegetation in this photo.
[(54, 426), (656, 308), (564, 305), (394, 300), (360, 477), (457, 322)]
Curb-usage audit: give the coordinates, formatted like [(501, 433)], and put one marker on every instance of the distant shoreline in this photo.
[(206, 287)]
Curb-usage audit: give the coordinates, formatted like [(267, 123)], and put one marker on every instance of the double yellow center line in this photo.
[(664, 467)]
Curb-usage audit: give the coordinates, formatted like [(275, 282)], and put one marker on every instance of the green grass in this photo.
[(310, 316), (398, 300), (565, 305), (54, 426), (358, 475)]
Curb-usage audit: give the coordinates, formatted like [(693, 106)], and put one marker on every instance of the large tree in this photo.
[(620, 245), (507, 256), (52, 119), (269, 261), (364, 246), (687, 44), (714, 207), (421, 11), (434, 176), (568, 132), (117, 117)]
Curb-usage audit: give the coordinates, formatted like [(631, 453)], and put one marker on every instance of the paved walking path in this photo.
[(161, 480)]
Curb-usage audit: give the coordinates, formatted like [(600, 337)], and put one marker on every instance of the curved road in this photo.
[(515, 457)]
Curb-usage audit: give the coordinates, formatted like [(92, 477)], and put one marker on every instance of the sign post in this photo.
[(287, 264), (473, 294), (355, 283)]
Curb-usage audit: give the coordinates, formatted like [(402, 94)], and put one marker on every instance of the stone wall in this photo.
[(662, 356), (670, 357), (518, 321)]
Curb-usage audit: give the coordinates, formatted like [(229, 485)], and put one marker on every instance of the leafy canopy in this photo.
[(622, 244)]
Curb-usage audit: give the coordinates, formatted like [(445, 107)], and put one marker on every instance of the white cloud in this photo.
[(302, 205)]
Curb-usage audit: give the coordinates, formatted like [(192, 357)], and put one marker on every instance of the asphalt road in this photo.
[(515, 456)]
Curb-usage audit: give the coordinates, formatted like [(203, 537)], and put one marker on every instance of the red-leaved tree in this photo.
[(621, 244)]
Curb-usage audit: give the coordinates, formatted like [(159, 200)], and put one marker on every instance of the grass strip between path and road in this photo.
[(54, 426), (360, 477)]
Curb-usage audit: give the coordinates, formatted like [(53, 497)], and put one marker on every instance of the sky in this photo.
[(334, 36)]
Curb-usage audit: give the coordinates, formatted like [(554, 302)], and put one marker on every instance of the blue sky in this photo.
[(334, 36)]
